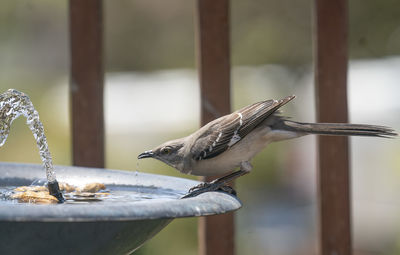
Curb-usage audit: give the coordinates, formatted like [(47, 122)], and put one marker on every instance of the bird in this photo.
[(231, 141)]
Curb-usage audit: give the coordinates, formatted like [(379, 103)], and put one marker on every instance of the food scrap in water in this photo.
[(40, 194)]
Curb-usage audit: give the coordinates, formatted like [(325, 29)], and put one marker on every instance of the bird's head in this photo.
[(171, 153)]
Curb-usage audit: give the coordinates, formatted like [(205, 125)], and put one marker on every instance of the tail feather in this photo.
[(337, 129)]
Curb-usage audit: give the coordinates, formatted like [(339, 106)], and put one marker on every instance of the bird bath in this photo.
[(142, 205)]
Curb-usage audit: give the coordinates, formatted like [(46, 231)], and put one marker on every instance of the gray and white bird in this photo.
[(231, 141)]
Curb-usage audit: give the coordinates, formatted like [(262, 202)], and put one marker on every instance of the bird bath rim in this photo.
[(209, 203)]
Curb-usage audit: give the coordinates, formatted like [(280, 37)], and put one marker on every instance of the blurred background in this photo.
[(152, 95)]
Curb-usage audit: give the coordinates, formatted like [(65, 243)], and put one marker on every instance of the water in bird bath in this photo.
[(112, 194)]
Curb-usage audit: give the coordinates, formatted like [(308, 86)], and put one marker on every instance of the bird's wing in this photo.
[(230, 129)]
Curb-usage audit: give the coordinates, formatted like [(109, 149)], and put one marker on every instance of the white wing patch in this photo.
[(240, 120), (216, 140), (236, 138)]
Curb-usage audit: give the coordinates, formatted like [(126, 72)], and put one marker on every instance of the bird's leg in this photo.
[(220, 183), (245, 168)]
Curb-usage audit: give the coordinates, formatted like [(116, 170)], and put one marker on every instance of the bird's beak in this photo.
[(146, 154)]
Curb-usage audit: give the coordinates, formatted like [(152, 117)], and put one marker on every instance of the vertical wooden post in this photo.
[(86, 82), (330, 78), (216, 233)]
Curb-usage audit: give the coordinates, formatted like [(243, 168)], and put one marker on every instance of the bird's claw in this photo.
[(228, 189)]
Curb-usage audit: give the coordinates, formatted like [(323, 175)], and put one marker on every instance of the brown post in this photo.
[(86, 82), (330, 79), (216, 233)]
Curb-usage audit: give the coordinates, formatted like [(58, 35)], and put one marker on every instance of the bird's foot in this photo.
[(209, 186), (213, 185), (220, 183), (228, 189)]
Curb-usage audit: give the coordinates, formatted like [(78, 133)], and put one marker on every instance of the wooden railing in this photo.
[(86, 82), (216, 233), (331, 96)]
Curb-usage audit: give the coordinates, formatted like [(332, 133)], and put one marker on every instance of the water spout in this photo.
[(14, 103)]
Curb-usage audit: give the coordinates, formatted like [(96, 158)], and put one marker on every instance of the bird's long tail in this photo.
[(336, 129)]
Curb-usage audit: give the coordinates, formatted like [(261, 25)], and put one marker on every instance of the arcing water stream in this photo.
[(14, 103)]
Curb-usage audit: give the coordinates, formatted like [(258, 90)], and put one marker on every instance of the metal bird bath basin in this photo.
[(118, 226)]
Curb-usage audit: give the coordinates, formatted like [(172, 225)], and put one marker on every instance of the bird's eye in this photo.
[(165, 150)]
